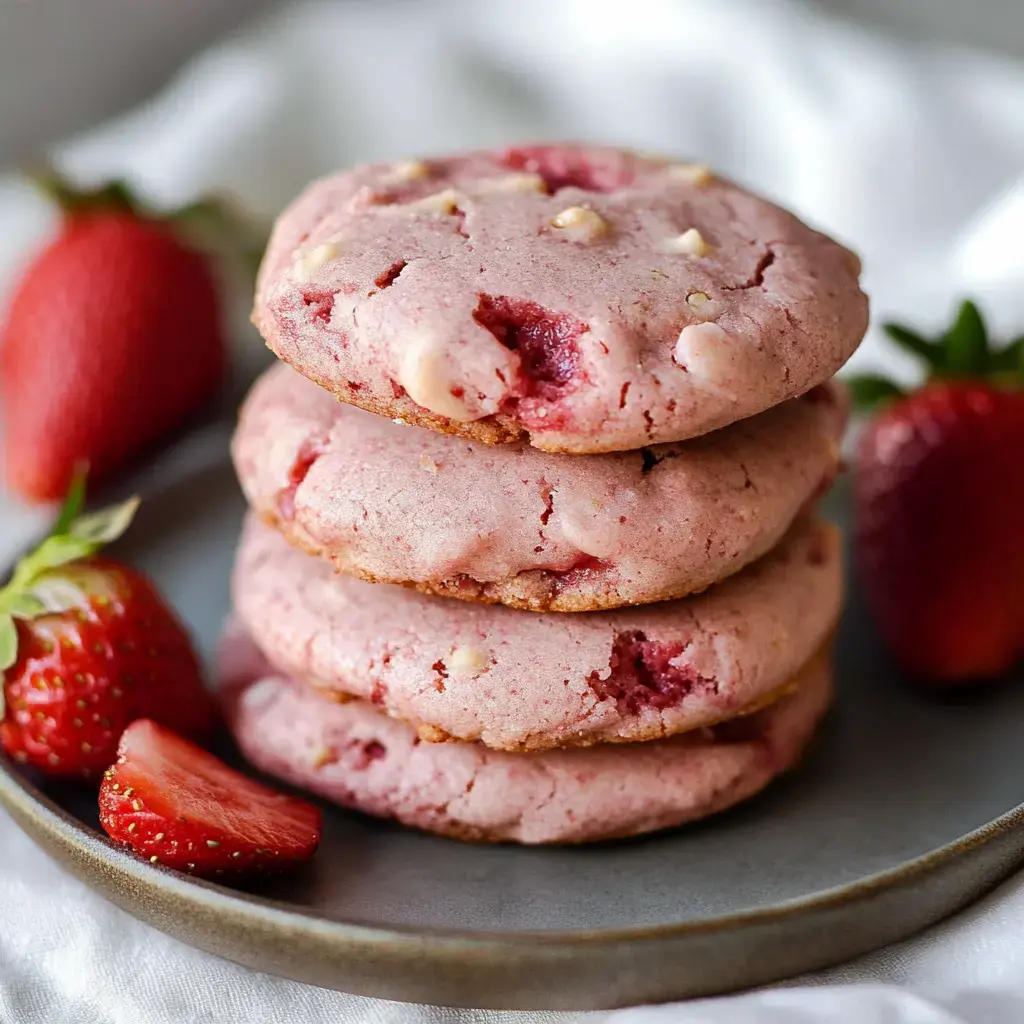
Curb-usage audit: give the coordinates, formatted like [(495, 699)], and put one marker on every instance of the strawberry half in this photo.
[(87, 645), (939, 504), (177, 805)]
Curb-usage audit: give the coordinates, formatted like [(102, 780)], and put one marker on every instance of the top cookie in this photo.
[(584, 299)]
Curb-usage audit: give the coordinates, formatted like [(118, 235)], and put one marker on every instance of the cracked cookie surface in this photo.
[(517, 680), (583, 299), (362, 759), (514, 525)]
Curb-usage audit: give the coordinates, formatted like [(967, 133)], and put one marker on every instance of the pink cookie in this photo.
[(527, 528), (583, 299), (356, 756), (517, 680)]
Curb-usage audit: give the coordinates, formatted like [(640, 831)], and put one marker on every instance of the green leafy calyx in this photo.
[(31, 592), (214, 225), (964, 350), (113, 195)]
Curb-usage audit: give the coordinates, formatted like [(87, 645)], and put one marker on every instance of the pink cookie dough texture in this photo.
[(517, 680), (584, 299), (530, 529), (362, 759)]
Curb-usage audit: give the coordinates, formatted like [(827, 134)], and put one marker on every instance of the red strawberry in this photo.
[(940, 507), (113, 340), (178, 805), (88, 646)]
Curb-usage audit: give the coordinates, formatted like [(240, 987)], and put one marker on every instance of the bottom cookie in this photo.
[(360, 758)]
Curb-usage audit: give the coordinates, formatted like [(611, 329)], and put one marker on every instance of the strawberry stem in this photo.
[(74, 501)]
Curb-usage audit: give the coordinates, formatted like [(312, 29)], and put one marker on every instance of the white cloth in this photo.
[(912, 155)]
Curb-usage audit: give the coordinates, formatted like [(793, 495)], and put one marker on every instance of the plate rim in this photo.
[(20, 796)]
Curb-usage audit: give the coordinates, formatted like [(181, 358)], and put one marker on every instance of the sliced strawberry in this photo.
[(177, 805)]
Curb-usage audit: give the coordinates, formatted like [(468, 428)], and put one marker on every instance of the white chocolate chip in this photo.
[(510, 184), (261, 693), (704, 307), (425, 375), (709, 355), (408, 170), (581, 223), (308, 263), (469, 661), (689, 243), (446, 202), (427, 463), (692, 174), (320, 756)]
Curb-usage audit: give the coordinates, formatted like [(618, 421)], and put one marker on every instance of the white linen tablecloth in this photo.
[(915, 156)]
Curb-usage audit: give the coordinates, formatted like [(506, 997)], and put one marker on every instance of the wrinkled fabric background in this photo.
[(913, 155)]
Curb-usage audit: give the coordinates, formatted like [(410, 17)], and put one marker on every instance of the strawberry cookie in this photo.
[(521, 681), (366, 761), (582, 299), (526, 528)]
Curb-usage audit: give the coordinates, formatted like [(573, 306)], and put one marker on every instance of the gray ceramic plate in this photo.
[(905, 810)]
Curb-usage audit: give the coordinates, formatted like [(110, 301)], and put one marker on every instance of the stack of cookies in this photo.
[(532, 553)]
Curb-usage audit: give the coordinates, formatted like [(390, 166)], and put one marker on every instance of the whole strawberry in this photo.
[(939, 497), (87, 646), (113, 340)]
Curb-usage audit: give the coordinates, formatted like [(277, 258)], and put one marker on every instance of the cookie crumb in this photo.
[(431, 734)]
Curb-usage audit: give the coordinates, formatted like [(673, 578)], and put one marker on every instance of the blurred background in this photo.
[(67, 63), (898, 125)]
